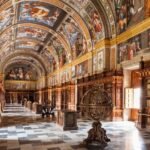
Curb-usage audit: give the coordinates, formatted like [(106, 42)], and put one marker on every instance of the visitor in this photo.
[(43, 111), (52, 111)]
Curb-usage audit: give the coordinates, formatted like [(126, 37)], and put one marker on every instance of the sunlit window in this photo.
[(132, 98)]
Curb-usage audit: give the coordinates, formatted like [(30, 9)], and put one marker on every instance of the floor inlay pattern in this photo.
[(31, 132)]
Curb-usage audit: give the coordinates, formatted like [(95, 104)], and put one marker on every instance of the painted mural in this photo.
[(51, 60), (73, 72), (91, 17), (47, 55), (82, 69), (121, 15), (39, 12), (128, 12), (129, 49), (64, 76), (94, 24), (5, 38), (27, 45), (6, 18), (81, 5), (32, 32), (100, 60), (21, 73), (60, 51), (71, 32), (95, 63)]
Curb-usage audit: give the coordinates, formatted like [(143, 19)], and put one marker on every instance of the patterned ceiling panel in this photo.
[(32, 32)]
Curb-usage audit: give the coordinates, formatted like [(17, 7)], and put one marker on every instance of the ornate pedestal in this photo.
[(67, 119)]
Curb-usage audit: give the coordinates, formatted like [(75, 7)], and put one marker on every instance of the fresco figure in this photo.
[(121, 15), (92, 31), (96, 22), (20, 73), (122, 22), (97, 25), (52, 19), (31, 32), (27, 76), (129, 49), (71, 32), (12, 75)]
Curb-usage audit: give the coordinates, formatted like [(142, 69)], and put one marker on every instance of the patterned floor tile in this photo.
[(28, 131)]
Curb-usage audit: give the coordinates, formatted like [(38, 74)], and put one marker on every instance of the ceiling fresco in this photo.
[(21, 72), (91, 17), (60, 51), (73, 35), (27, 45), (32, 33), (38, 12), (58, 31)]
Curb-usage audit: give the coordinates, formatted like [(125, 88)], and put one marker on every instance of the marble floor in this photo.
[(21, 129)]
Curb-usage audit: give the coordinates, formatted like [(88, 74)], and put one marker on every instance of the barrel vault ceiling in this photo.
[(51, 33)]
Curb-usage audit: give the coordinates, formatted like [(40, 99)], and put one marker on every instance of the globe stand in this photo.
[(97, 105), (97, 137)]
